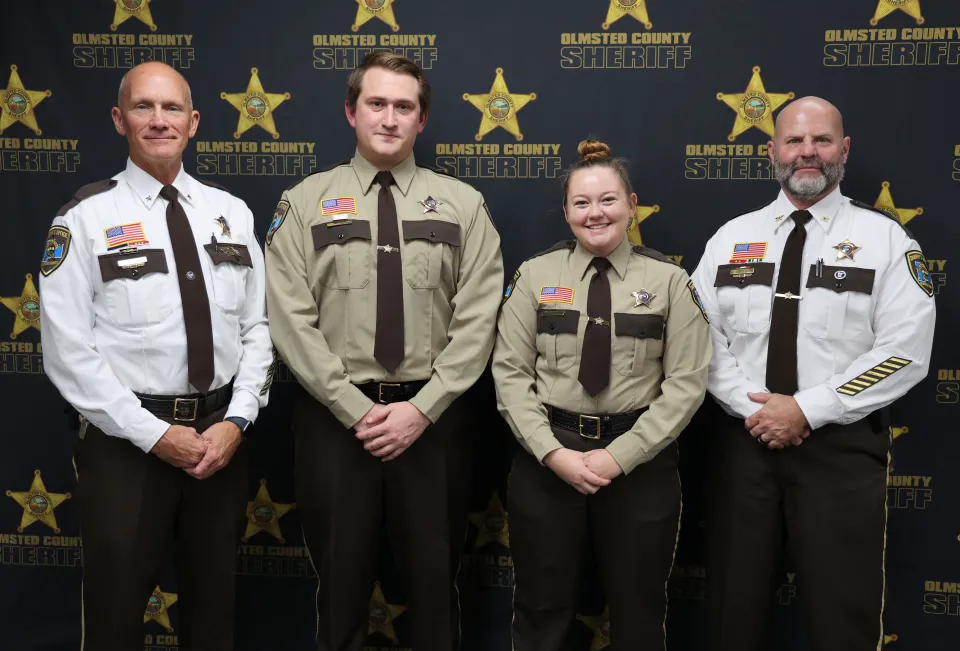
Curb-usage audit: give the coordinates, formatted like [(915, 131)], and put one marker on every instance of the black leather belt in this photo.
[(187, 408), (387, 392), (594, 427)]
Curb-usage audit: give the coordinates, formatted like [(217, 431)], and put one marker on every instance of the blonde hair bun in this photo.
[(593, 150)]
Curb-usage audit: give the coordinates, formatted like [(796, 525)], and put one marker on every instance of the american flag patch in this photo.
[(556, 295), (338, 206), (125, 235), (749, 252)]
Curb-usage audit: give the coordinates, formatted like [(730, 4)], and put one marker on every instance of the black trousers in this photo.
[(130, 504), (345, 496), (635, 523), (828, 497)]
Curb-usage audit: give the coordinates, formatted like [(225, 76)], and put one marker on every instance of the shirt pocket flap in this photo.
[(557, 322), (842, 279), (339, 232), (432, 230), (230, 253), (134, 265), (744, 275), (641, 326)]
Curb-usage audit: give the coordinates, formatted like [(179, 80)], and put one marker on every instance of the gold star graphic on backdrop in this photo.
[(38, 505), (754, 106), (887, 7), (367, 10), (499, 107), (620, 8), (492, 524), (633, 225), (263, 514), (885, 203), (158, 607), (887, 639), (26, 307), (382, 615), (127, 9), (18, 103), (256, 106), (601, 629), (897, 432)]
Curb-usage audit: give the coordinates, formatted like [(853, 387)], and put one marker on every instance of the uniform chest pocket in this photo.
[(637, 338), (231, 264), (557, 337), (343, 250), (837, 305), (137, 291), (428, 246), (745, 294)]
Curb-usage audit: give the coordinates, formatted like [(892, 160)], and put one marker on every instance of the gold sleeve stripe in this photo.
[(870, 377)]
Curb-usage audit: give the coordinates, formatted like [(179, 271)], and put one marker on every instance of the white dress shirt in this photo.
[(105, 340), (856, 351)]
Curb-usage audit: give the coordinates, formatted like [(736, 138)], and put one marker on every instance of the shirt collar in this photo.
[(619, 258), (824, 212), (402, 172), (148, 188)]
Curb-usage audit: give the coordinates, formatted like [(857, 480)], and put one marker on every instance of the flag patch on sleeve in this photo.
[(867, 379), (556, 295)]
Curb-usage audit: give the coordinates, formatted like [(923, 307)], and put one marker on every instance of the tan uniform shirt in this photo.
[(322, 285), (660, 354)]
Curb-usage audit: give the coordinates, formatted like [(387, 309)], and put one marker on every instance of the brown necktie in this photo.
[(388, 346), (595, 355), (193, 293), (782, 347)]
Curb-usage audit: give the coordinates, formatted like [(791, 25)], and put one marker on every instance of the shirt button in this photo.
[(340, 236), (432, 234), (553, 327), (190, 275), (643, 333), (740, 281), (134, 272)]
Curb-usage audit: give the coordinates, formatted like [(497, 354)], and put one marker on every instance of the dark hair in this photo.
[(395, 63), (594, 153)]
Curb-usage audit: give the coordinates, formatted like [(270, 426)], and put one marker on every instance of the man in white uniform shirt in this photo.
[(822, 314), (154, 329)]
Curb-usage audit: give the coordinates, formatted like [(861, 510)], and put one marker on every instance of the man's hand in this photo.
[(570, 466), (779, 423), (388, 439), (376, 415), (180, 446), (222, 439), (602, 463)]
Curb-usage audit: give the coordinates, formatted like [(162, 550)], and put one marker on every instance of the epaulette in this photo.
[(86, 192), (570, 245), (652, 253), (214, 185), (325, 169), (437, 170), (866, 206)]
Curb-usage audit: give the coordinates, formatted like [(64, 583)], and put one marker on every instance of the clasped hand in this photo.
[(587, 472), (779, 423), (388, 430), (200, 455)]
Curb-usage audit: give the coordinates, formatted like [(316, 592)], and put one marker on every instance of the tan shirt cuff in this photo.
[(351, 406), (626, 450), (542, 443), (433, 399)]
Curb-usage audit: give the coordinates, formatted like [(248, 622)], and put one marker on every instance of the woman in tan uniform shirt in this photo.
[(601, 360)]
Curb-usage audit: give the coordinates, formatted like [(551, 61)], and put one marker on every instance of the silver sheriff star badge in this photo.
[(430, 205), (846, 249), (643, 297)]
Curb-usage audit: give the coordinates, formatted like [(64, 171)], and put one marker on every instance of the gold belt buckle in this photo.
[(185, 409), (385, 384), (596, 426)]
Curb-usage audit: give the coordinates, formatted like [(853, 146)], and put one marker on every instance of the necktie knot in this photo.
[(601, 264), (169, 193), (801, 217), (385, 179)]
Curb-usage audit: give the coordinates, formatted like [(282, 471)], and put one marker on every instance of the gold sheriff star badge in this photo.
[(601, 629), (38, 505), (158, 608), (18, 103), (382, 615), (887, 7), (367, 10), (633, 225), (754, 106), (263, 514), (26, 307), (127, 9), (620, 8), (499, 107), (492, 524), (256, 106), (885, 203)]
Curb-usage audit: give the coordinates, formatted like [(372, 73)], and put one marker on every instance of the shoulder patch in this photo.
[(86, 192), (917, 264), (651, 253), (213, 185), (696, 299), (278, 216), (866, 206), (509, 290), (325, 169), (55, 250)]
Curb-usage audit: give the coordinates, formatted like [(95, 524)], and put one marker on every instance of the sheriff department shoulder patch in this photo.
[(55, 250), (695, 295), (509, 290), (278, 216), (919, 272)]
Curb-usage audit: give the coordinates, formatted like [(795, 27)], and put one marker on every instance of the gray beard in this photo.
[(808, 189)]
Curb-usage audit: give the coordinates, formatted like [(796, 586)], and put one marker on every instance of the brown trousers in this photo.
[(634, 521), (130, 504), (829, 497), (345, 496)]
